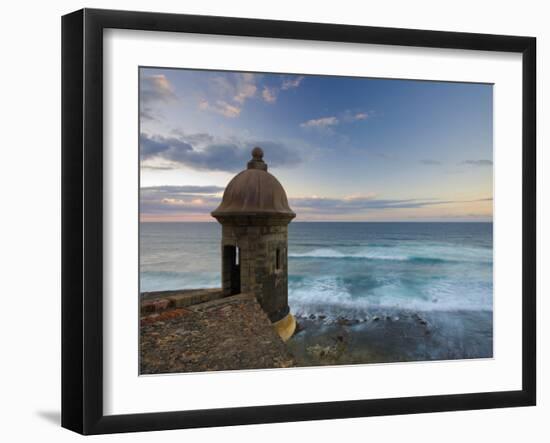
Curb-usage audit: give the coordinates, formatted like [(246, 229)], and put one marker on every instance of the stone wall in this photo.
[(261, 249), (161, 300)]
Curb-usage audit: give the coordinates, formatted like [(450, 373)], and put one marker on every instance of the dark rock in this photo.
[(343, 321), (324, 353)]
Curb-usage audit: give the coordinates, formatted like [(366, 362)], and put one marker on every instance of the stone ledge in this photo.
[(226, 334), (161, 300)]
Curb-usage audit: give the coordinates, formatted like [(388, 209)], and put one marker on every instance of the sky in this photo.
[(344, 148)]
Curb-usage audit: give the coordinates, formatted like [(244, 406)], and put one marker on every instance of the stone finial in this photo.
[(257, 161), (257, 153)]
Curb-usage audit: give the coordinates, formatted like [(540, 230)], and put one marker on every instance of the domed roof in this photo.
[(254, 191)]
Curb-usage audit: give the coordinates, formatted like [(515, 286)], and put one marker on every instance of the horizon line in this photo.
[(333, 221)]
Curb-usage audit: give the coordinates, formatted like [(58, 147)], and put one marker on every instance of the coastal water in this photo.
[(435, 273)]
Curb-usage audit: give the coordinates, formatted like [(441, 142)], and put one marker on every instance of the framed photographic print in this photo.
[(269, 221)]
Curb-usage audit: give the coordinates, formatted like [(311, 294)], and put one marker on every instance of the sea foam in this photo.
[(427, 253)]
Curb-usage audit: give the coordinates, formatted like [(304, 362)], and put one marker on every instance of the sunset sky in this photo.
[(344, 148)]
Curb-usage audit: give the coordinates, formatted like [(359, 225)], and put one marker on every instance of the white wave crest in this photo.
[(434, 252), (328, 295)]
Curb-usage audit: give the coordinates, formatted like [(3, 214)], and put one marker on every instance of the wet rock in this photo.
[(299, 328), (312, 317), (375, 318), (420, 320), (322, 317), (322, 352)]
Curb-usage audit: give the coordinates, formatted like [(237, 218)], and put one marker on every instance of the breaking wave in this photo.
[(333, 296), (424, 254)]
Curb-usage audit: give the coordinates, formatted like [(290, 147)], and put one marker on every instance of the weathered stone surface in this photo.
[(226, 334), (254, 192), (161, 300), (155, 305)]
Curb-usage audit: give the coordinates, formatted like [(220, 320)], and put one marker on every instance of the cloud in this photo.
[(477, 162), (230, 92), (357, 204), (203, 104), (367, 196), (320, 122), (326, 123), (191, 199), (185, 189), (179, 199), (354, 116), (488, 199), (290, 83), (361, 116), (221, 155), (150, 147), (154, 89), (269, 94), (245, 87), (220, 107), (226, 109), (200, 138), (157, 167), (146, 113), (429, 161), (367, 202), (223, 85)]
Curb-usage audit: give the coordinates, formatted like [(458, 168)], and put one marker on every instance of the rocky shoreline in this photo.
[(232, 333), (390, 336)]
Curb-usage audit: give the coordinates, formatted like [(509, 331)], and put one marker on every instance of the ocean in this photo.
[(441, 273)]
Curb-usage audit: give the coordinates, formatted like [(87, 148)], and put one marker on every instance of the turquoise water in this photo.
[(343, 268)]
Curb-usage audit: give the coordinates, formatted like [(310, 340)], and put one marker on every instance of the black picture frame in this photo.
[(82, 220)]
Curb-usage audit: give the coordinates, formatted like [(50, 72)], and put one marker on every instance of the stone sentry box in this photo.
[(254, 214)]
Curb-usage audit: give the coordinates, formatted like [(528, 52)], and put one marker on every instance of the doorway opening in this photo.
[(232, 268)]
